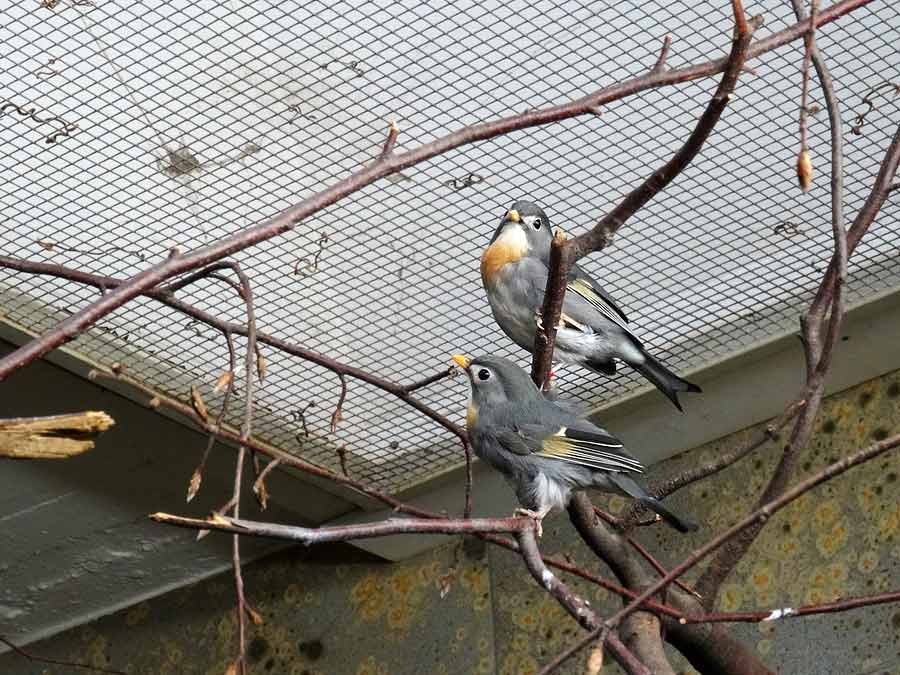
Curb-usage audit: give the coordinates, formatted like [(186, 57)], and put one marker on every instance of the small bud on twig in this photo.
[(198, 405), (255, 616), (804, 170), (595, 660), (194, 484)]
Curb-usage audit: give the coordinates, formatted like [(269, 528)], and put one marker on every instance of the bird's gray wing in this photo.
[(559, 436), (578, 274), (585, 305)]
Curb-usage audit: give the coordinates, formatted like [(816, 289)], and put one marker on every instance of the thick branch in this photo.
[(817, 352), (576, 607), (599, 236)]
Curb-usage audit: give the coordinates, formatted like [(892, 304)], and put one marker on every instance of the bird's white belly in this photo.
[(548, 492)]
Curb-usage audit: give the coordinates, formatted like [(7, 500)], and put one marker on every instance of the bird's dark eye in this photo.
[(484, 374), (536, 223)]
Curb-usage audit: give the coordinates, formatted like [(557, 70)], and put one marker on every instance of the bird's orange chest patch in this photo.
[(511, 246), (471, 416)]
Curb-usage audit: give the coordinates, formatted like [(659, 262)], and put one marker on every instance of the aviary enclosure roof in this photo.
[(197, 119)]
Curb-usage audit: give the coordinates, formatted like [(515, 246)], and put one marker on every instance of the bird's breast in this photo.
[(510, 247), (471, 416)]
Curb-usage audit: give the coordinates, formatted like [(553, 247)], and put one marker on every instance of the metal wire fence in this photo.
[(129, 128)]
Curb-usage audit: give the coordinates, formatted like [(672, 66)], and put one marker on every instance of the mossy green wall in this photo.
[(467, 608)]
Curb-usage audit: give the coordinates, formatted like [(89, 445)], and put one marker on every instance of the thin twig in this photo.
[(243, 607), (259, 486), (99, 281), (671, 485), (641, 551), (779, 613), (663, 55), (804, 166), (323, 535), (431, 379), (43, 659), (390, 142), (197, 476)]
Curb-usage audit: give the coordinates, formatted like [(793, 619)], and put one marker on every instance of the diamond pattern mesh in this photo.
[(198, 119)]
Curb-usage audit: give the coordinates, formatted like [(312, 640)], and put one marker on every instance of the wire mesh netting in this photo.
[(161, 124)]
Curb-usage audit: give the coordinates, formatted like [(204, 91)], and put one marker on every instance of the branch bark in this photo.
[(566, 254)]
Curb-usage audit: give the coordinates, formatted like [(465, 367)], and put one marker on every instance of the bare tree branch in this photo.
[(322, 535), (565, 254), (666, 487), (761, 514), (43, 659)]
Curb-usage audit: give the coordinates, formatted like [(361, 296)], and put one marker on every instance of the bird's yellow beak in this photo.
[(513, 215), (461, 361)]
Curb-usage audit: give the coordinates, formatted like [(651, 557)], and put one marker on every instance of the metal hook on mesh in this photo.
[(46, 70), (304, 267), (355, 65), (299, 114), (53, 4), (32, 113), (788, 228), (458, 184), (868, 100)]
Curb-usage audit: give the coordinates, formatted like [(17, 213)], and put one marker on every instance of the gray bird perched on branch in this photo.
[(545, 450), (593, 331)]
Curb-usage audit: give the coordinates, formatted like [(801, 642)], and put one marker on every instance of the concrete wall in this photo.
[(466, 608)]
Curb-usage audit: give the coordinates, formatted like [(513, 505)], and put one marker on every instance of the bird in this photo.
[(544, 449), (593, 330)]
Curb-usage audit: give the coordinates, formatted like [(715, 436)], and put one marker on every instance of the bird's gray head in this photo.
[(525, 218), (495, 380)]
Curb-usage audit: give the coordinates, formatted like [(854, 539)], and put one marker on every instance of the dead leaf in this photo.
[(262, 494), (224, 381), (260, 365)]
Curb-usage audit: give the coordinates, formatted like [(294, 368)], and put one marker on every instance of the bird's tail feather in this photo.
[(635, 491), (664, 379)]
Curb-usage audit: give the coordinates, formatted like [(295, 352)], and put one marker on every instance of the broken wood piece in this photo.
[(52, 437)]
